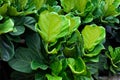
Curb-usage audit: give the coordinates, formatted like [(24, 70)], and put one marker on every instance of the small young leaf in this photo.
[(77, 66), (35, 65)]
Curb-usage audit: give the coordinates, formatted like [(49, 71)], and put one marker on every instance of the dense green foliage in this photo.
[(60, 39)]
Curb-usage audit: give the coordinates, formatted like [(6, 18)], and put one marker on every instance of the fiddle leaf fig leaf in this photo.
[(52, 26), (68, 5), (96, 51), (77, 66), (92, 36), (3, 9), (110, 7), (74, 23), (7, 26)]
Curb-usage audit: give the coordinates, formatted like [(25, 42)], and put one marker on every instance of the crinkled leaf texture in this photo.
[(77, 65), (7, 26), (92, 36), (51, 27)]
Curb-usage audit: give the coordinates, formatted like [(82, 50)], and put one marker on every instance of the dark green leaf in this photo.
[(18, 30), (22, 60), (6, 49)]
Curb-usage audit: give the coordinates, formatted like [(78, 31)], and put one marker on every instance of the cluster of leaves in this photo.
[(60, 39)]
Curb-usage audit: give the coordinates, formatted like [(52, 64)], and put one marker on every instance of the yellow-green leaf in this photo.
[(92, 36), (52, 26)]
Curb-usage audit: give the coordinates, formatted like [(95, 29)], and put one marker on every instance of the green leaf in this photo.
[(30, 22), (56, 67), (92, 36), (52, 26), (77, 66), (110, 8), (81, 7), (3, 9), (33, 41), (36, 65), (12, 11), (88, 18), (38, 3), (74, 23), (18, 30), (96, 51), (7, 26), (22, 60), (50, 77), (22, 3), (6, 49), (68, 5)]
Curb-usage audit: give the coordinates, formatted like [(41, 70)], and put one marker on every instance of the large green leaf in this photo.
[(92, 36), (6, 49), (77, 66), (50, 77), (7, 26), (22, 60), (52, 26)]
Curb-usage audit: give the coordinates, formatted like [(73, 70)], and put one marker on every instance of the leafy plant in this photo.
[(59, 39)]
